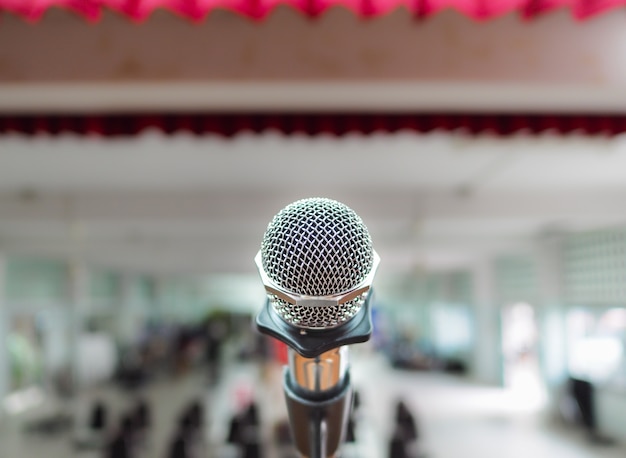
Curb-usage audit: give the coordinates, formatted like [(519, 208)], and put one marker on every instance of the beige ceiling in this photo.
[(289, 62)]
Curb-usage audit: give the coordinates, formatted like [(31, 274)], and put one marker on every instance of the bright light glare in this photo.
[(23, 400)]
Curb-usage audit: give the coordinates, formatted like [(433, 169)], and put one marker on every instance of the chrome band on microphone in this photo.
[(320, 374)]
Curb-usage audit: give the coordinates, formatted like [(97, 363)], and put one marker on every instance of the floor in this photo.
[(455, 417)]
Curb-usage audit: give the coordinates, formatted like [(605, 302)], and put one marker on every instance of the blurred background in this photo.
[(145, 146)]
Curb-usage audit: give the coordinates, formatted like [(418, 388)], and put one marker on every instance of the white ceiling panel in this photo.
[(201, 204)]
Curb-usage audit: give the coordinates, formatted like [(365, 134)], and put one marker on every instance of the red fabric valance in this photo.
[(312, 124), (257, 9)]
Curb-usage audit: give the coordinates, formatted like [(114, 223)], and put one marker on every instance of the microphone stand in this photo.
[(318, 390), (316, 382)]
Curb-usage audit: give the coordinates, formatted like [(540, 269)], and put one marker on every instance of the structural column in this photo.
[(159, 302), (132, 309), (551, 315), (487, 345), (4, 355), (78, 288), (125, 306)]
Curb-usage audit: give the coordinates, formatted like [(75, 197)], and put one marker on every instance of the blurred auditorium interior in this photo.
[(145, 146)]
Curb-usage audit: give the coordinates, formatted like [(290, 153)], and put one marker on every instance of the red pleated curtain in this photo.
[(197, 10), (229, 124)]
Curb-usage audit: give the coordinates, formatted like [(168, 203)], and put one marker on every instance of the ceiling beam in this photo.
[(310, 97), (258, 207)]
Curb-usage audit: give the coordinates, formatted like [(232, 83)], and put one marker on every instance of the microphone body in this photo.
[(319, 396), (317, 265)]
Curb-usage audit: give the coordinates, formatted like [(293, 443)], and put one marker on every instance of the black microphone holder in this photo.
[(313, 342)]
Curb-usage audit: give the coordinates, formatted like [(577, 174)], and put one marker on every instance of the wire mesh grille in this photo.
[(317, 317), (317, 247), (594, 267)]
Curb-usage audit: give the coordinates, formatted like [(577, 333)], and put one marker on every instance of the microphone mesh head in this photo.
[(317, 247)]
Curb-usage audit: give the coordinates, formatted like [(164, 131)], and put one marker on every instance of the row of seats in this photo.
[(131, 435)]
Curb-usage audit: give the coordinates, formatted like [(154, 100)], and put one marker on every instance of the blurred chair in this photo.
[(122, 445), (403, 443), (92, 432), (252, 448), (179, 447), (98, 417), (350, 427), (244, 432), (142, 421), (242, 423), (142, 415), (405, 422), (582, 393), (397, 445), (118, 448)]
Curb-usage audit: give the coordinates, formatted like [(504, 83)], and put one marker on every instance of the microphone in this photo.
[(317, 265)]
